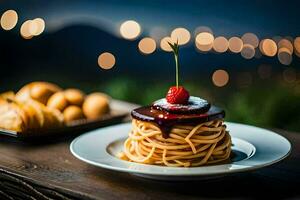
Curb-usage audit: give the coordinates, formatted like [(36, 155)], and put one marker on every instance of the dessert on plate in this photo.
[(177, 131)]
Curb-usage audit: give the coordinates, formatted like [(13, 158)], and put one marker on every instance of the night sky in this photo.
[(78, 31)]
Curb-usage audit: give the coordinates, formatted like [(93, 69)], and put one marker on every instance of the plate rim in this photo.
[(133, 171)]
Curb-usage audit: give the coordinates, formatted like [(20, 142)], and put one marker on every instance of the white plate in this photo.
[(254, 148)]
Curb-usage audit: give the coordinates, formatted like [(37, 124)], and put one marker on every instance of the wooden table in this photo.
[(49, 171)]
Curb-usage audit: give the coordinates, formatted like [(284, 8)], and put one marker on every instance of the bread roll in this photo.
[(95, 105), (72, 113), (74, 96), (39, 91), (57, 101)]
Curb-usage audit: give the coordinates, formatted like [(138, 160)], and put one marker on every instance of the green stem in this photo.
[(177, 69)]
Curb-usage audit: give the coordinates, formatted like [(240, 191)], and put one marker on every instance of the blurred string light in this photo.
[(264, 71), (164, 44), (220, 44), (235, 45), (220, 78), (284, 56), (147, 45), (181, 35), (204, 41), (268, 47), (285, 51), (37, 26), (130, 30), (250, 38), (297, 46), (31, 28), (289, 75), (285, 43), (106, 60), (25, 30), (9, 20), (248, 51)]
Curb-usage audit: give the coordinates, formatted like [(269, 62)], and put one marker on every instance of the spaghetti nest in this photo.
[(186, 146)]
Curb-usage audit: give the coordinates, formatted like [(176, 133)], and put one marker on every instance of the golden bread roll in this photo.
[(95, 105), (74, 96), (27, 115), (57, 101), (39, 91), (12, 117), (72, 113)]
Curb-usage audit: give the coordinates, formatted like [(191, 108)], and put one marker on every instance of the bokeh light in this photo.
[(204, 41), (220, 78), (248, 51), (181, 35), (284, 56), (25, 30), (264, 71), (268, 47), (285, 43), (147, 45), (220, 44), (9, 19), (250, 38), (289, 75), (297, 46), (235, 45), (106, 60), (37, 26), (130, 30), (164, 44)]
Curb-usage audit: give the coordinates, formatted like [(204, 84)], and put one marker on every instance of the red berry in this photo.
[(177, 95)]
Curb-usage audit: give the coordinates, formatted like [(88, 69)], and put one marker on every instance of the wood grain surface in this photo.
[(47, 170)]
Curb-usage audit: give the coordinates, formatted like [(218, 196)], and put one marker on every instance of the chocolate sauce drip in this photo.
[(166, 120)]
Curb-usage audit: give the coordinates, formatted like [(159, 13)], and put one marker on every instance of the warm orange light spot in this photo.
[(25, 30), (220, 44), (220, 78), (37, 26), (235, 45), (297, 46), (204, 41), (268, 47), (9, 19), (284, 56), (164, 44), (147, 45), (181, 35), (130, 29), (106, 60), (250, 38), (248, 51), (284, 43)]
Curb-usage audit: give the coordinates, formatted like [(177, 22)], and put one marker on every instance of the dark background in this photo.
[(77, 32)]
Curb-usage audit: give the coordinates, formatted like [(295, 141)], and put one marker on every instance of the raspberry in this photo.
[(177, 95)]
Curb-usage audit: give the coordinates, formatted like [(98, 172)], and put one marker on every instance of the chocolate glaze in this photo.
[(165, 120)]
